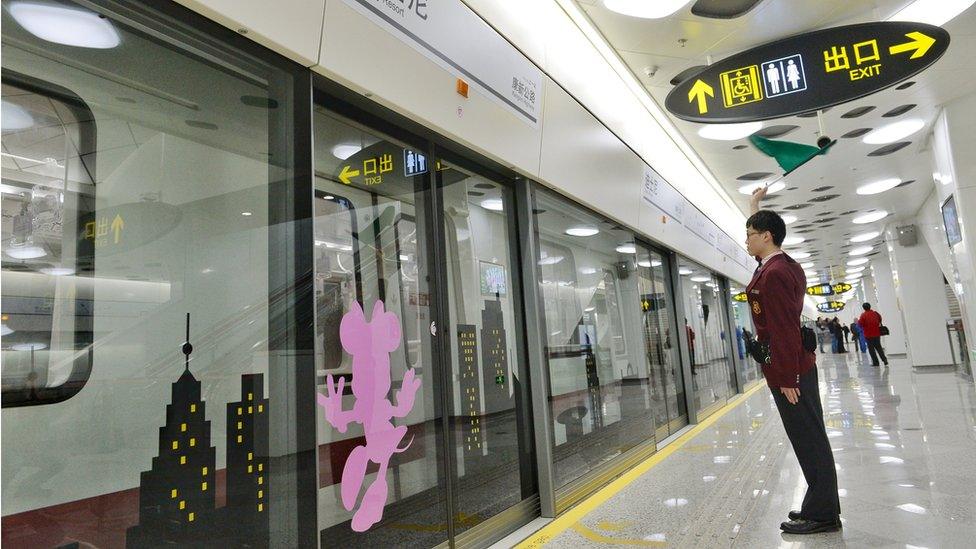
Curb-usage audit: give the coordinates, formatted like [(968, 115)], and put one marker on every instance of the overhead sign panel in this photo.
[(808, 72), (830, 306)]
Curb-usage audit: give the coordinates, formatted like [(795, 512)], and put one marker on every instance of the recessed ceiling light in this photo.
[(894, 132), (644, 9), (800, 255), (5, 330), (63, 25), (864, 237), (14, 117), (343, 151), (29, 346), (793, 240), (853, 270), (879, 186), (933, 12), (854, 276), (582, 231), (588, 270), (493, 204), (58, 271), (646, 263), (26, 252), (861, 250), (774, 188), (728, 132), (701, 278), (627, 248), (807, 265), (550, 260), (788, 219), (871, 217), (246, 214), (810, 273), (855, 262), (813, 280), (684, 271)]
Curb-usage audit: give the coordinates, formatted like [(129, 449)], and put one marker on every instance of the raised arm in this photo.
[(757, 195)]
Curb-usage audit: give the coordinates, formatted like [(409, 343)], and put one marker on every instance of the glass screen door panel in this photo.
[(491, 439), (381, 476), (657, 339)]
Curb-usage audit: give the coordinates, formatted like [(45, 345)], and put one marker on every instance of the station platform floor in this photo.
[(904, 443)]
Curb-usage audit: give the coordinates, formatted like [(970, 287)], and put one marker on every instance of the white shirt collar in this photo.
[(770, 256)]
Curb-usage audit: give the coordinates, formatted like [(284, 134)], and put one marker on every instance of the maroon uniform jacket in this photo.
[(776, 300)]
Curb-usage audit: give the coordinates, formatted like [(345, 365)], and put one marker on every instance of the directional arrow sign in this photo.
[(808, 72), (117, 225), (831, 306), (346, 173), (699, 91), (741, 296), (842, 287)]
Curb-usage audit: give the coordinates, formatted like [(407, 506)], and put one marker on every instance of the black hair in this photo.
[(866, 306), (768, 220)]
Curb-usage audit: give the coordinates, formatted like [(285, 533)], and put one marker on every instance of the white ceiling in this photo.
[(668, 46)]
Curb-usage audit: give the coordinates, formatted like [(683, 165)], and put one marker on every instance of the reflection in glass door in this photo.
[(381, 471), (667, 384), (491, 438)]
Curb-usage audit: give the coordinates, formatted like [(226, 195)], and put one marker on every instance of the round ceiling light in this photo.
[(582, 231), (14, 117), (774, 188), (345, 150), (800, 255), (879, 186), (493, 204), (701, 278), (788, 219), (728, 132), (26, 252), (853, 270), (894, 132), (793, 240), (58, 271), (64, 25), (685, 272), (644, 9), (627, 248), (864, 237), (861, 250), (550, 260), (807, 265), (870, 217), (856, 262)]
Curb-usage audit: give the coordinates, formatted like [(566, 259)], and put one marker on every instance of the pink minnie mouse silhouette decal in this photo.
[(370, 344)]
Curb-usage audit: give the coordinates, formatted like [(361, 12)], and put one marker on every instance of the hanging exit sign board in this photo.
[(808, 72)]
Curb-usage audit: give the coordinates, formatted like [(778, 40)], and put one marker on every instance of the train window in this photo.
[(146, 165), (599, 370), (47, 286)]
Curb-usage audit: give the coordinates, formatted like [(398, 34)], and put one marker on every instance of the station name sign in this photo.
[(829, 289), (831, 306), (808, 72)]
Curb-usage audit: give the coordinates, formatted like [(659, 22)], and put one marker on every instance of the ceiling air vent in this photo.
[(811, 114), (723, 9), (903, 183), (754, 176), (906, 85), (822, 189), (888, 149), (824, 198), (855, 133), (797, 206), (860, 111), (685, 74), (740, 147), (776, 131), (898, 111)]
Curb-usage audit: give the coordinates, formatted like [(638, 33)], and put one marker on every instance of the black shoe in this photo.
[(802, 526), (794, 515)]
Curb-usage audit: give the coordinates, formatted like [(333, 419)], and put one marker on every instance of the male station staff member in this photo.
[(776, 301)]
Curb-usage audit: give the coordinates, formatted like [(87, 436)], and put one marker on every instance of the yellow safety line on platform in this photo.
[(583, 508)]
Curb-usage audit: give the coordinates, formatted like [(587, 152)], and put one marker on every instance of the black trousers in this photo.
[(874, 348), (805, 428)]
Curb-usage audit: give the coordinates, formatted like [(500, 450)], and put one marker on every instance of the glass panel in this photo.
[(141, 163), (749, 369), (706, 333), (666, 380), (492, 452), (599, 373), (383, 485)]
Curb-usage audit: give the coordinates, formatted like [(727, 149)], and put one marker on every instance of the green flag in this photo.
[(789, 156)]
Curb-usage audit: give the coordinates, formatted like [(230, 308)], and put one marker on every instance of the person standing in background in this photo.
[(870, 322)]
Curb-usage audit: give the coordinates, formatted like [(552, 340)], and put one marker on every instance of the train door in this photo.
[(422, 424)]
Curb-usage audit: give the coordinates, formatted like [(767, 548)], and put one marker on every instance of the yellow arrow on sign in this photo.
[(700, 90), (346, 173), (920, 44), (117, 225)]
